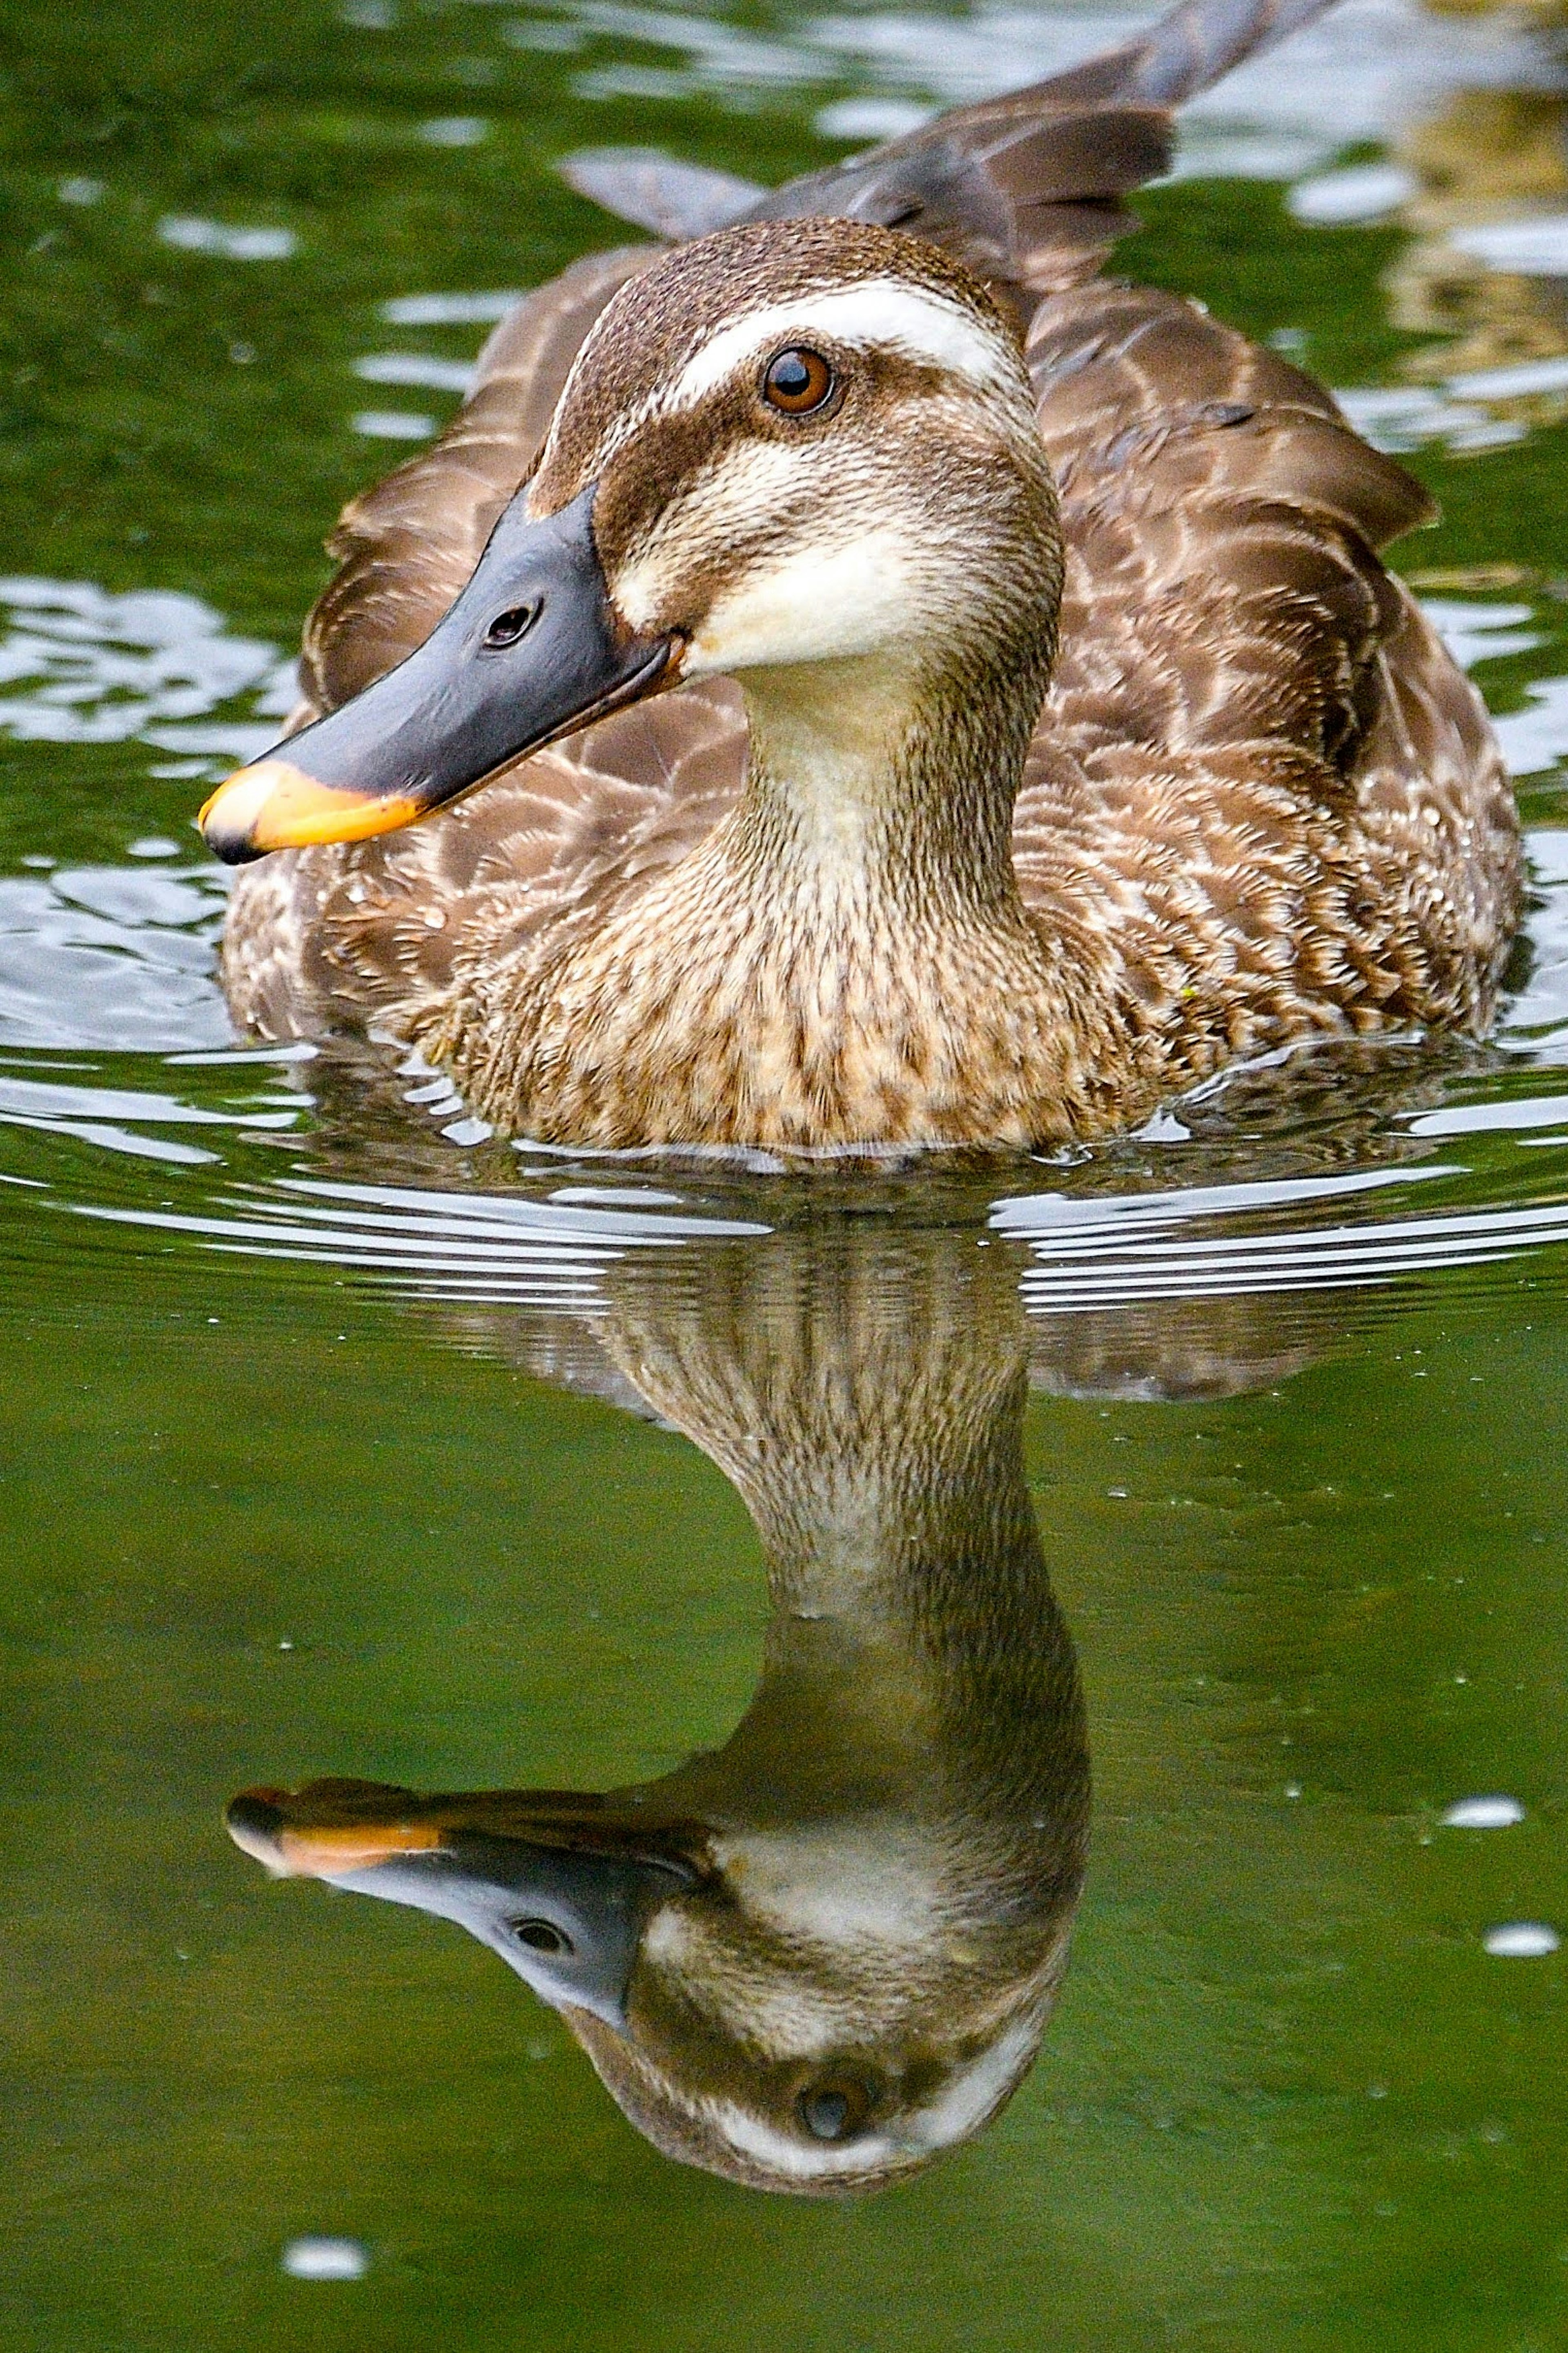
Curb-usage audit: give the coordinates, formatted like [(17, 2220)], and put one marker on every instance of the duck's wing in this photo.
[(1253, 739), (1026, 192), (1221, 520), (1027, 188), (676, 200)]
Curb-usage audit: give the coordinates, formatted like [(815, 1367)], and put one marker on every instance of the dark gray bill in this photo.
[(567, 1918), (532, 649)]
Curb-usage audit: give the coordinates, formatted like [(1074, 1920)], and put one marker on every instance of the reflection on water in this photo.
[(1356, 76), (818, 1956), (1484, 269), (112, 958), (822, 1955), (1480, 182)]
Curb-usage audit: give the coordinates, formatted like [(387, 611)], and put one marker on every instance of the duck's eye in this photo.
[(797, 381), (508, 626), (834, 2111), (542, 1937)]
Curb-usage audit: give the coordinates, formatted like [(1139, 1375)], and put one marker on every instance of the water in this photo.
[(342, 1440)]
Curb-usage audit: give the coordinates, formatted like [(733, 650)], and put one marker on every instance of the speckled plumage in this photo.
[(1260, 803)]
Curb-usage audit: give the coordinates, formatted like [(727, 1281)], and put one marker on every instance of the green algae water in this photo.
[(1203, 1497)]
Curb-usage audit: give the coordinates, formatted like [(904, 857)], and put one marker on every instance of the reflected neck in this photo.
[(868, 1409), (868, 1404)]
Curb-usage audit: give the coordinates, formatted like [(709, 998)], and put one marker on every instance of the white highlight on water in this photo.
[(415, 367), (325, 2259), (1365, 192), (1494, 1813), (455, 130), (1521, 1940), (190, 233), (450, 310), (394, 425)]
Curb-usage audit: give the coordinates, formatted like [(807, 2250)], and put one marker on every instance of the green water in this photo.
[(314, 1466)]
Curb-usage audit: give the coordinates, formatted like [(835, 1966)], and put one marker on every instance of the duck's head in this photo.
[(798, 2008), (790, 451)]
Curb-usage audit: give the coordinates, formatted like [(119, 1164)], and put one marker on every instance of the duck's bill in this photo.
[(562, 1888), (532, 649)]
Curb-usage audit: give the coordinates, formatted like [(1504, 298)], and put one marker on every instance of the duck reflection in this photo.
[(1489, 157), (816, 1958)]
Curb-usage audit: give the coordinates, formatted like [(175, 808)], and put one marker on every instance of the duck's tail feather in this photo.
[(676, 200), (1028, 188), (1183, 54)]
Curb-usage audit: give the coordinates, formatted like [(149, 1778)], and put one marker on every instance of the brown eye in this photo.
[(797, 382)]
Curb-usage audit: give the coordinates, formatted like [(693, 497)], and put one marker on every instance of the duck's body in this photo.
[(887, 899)]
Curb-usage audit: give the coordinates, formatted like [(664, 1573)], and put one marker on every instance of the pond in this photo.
[(1198, 1503)]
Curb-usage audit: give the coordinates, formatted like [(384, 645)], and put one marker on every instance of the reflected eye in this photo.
[(796, 382), (542, 1937), (834, 2111), (508, 626)]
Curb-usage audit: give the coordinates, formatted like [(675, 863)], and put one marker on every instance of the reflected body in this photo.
[(820, 1956)]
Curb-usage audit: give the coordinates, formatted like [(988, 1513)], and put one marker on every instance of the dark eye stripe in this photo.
[(797, 381)]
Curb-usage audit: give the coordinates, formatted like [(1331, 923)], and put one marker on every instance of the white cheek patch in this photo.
[(967, 2099), (856, 1888), (728, 499), (817, 603), (888, 311), (970, 2093), (801, 2160), (817, 597)]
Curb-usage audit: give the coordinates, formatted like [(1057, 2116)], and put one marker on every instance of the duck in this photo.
[(855, 677), (824, 1955)]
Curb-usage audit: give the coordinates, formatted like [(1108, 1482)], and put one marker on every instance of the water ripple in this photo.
[(101, 668), (498, 1249), (1117, 1251)]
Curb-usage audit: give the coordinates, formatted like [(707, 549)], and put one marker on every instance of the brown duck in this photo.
[(987, 711)]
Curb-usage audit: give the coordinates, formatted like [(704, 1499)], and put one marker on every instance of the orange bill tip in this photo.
[(259, 1825), (272, 804)]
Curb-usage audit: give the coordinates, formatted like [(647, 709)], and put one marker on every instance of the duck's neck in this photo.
[(872, 783)]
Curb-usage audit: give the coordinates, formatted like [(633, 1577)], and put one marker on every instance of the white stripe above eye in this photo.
[(880, 310)]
